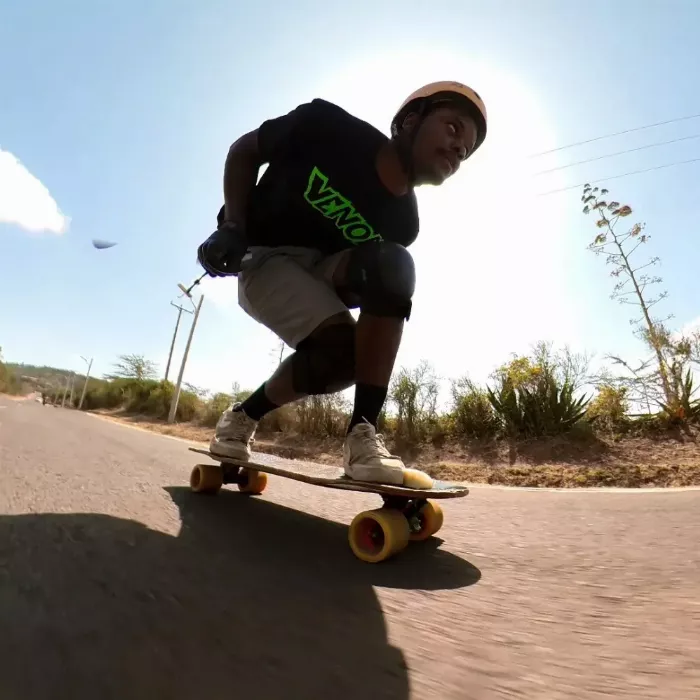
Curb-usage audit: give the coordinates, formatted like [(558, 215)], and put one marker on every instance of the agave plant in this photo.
[(685, 407), (544, 408)]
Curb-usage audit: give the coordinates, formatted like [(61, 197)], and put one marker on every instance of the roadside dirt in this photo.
[(555, 463)]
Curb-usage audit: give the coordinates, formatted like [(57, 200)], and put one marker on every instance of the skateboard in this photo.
[(375, 535)]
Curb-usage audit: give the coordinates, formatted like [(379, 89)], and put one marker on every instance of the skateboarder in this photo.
[(325, 230)]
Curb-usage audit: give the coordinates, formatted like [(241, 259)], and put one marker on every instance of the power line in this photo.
[(617, 133), (616, 177), (618, 153)]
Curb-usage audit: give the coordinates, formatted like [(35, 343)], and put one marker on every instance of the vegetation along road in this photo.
[(117, 582)]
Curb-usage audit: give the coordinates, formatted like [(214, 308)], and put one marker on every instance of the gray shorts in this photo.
[(289, 289)]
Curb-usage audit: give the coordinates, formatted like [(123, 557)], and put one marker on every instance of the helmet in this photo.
[(443, 91)]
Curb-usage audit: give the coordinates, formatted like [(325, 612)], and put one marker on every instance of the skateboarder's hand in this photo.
[(220, 255)]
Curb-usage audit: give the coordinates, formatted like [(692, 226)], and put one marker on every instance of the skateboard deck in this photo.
[(374, 535), (334, 477)]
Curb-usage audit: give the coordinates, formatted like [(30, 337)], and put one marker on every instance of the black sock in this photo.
[(369, 400), (257, 404)]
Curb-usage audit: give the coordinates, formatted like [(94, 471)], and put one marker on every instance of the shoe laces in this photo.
[(373, 440), (238, 426)]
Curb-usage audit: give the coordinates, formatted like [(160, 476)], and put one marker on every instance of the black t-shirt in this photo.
[(321, 189)]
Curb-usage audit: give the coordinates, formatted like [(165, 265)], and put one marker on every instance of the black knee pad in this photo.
[(383, 276), (325, 361)]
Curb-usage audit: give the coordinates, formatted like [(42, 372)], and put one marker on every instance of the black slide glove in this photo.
[(220, 255)]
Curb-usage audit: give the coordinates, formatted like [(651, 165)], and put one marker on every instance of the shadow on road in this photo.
[(251, 600)]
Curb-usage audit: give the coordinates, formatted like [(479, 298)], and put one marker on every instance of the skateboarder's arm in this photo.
[(240, 175)]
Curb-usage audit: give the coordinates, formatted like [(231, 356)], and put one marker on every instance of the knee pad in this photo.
[(325, 361), (383, 277)]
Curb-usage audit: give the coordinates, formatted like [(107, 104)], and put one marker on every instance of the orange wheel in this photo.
[(206, 478), (252, 481), (376, 535), (429, 519)]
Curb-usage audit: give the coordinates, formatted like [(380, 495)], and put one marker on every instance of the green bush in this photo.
[(214, 408), (9, 381), (148, 397), (414, 393), (188, 406), (608, 410), (136, 395), (102, 394), (438, 429), (153, 398), (281, 420), (472, 414), (322, 416)]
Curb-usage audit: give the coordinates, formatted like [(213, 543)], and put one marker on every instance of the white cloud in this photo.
[(25, 201)]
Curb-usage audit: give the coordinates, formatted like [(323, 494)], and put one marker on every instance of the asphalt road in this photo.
[(117, 582)]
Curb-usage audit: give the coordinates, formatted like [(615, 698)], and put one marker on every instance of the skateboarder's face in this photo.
[(444, 140)]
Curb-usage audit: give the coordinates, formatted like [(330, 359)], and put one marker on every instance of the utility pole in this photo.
[(176, 395), (87, 377), (180, 309)]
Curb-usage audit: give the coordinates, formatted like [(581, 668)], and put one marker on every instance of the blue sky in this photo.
[(119, 116)]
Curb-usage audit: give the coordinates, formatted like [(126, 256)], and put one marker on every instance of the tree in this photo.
[(564, 365), (660, 379), (199, 391), (415, 392), (238, 394), (134, 367)]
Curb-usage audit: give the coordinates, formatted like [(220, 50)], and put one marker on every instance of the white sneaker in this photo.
[(366, 458), (234, 435)]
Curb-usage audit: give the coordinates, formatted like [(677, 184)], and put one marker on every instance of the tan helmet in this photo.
[(444, 91)]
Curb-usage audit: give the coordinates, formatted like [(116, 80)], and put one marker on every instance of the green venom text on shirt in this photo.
[(334, 206)]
